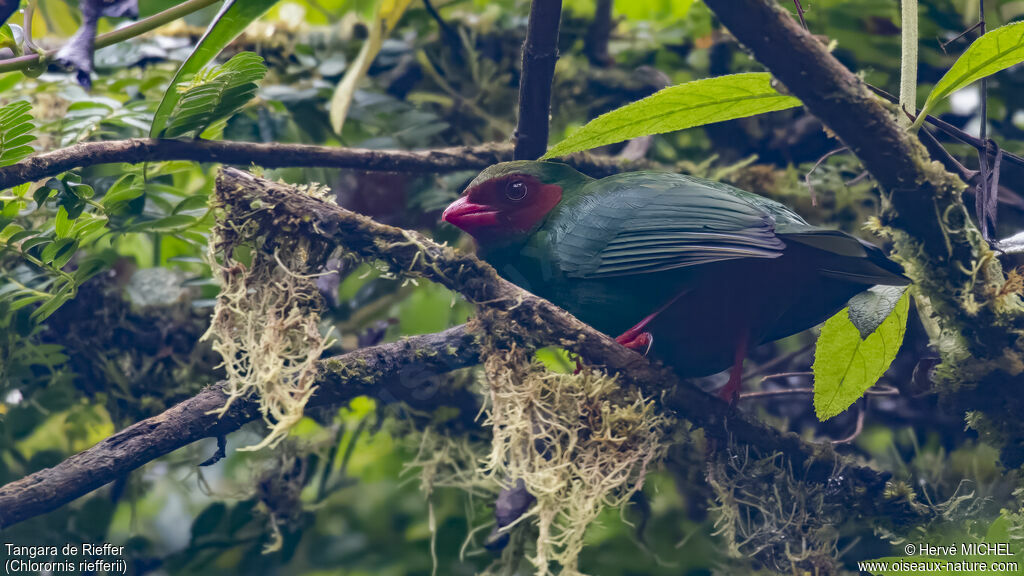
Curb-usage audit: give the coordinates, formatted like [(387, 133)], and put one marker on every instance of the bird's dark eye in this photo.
[(516, 190)]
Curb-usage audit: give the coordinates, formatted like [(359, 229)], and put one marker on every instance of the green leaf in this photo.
[(59, 251), (385, 17), (127, 188), (50, 306), (870, 308), (846, 365), (995, 51), (198, 202), (15, 132), (228, 24), (684, 106), (166, 224), (61, 223), (12, 37), (215, 93)]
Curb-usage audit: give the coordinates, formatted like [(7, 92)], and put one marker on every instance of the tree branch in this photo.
[(955, 272), (412, 254), (540, 52), (136, 150), (405, 370)]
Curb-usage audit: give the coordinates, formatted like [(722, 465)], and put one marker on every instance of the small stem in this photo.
[(120, 35), (30, 10), (152, 23), (908, 60), (984, 81), (800, 13)]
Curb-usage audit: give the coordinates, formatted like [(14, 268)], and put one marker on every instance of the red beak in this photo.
[(469, 216)]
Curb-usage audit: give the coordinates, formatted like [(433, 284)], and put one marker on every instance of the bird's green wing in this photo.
[(645, 222)]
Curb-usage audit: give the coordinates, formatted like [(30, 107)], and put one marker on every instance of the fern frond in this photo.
[(214, 94), (15, 132)]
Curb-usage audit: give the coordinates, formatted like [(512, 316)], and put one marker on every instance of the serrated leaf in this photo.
[(386, 15), (992, 52), (678, 107), (870, 308), (226, 26), (845, 365)]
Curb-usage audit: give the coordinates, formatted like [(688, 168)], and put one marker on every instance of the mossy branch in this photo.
[(406, 370), (412, 254), (958, 278)]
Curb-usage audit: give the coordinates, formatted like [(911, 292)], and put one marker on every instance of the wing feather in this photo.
[(641, 223)]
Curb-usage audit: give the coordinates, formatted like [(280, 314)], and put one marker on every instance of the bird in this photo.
[(690, 271)]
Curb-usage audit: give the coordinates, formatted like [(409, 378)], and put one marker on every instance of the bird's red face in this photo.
[(503, 207)]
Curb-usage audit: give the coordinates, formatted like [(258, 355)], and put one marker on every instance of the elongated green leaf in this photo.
[(995, 51), (845, 365), (677, 107), (229, 23), (385, 17)]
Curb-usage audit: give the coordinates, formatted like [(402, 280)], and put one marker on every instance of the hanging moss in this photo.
[(266, 322), (765, 513), (578, 443)]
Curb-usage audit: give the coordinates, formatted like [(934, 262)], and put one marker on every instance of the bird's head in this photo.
[(511, 200)]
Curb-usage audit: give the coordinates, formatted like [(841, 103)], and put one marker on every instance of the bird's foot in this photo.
[(637, 341), (731, 391), (640, 342)]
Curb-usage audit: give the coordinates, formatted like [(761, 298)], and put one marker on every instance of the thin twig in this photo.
[(876, 391), (946, 44), (951, 130), (858, 427), (785, 375), (113, 37), (807, 176), (449, 33), (800, 14)]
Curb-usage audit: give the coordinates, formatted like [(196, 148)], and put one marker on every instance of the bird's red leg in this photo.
[(731, 391), (636, 338)]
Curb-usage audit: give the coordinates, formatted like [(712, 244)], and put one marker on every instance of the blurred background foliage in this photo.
[(130, 294)]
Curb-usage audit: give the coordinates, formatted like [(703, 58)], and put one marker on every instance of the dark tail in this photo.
[(852, 259)]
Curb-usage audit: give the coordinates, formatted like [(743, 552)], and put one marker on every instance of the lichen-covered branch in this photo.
[(977, 310), (406, 370), (409, 253)]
